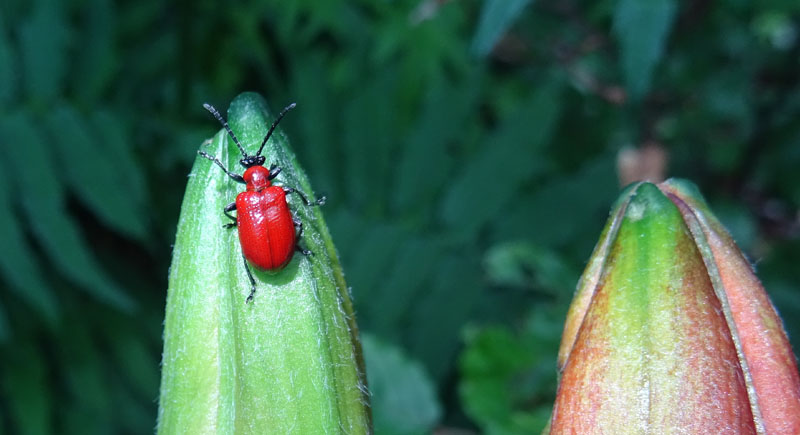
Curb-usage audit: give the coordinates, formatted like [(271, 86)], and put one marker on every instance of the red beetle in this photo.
[(268, 232)]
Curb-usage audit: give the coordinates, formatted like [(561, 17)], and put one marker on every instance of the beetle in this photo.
[(268, 231)]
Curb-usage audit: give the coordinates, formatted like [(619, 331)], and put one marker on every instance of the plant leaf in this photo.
[(507, 378), (84, 377), (17, 260), (489, 181), (24, 377), (318, 131), (96, 173), (425, 163), (114, 142), (403, 395), (8, 70), (395, 294), (44, 38), (96, 60), (496, 17), (642, 28), (561, 206), (368, 172), (32, 169), (5, 329), (440, 313)]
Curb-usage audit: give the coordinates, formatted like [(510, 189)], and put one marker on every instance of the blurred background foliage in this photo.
[(469, 151)]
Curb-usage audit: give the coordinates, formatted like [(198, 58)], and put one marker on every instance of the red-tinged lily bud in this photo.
[(670, 330)]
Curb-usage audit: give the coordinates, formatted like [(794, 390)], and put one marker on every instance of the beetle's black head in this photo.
[(249, 161)]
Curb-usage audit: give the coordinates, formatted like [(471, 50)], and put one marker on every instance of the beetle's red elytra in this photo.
[(268, 232), (266, 228)]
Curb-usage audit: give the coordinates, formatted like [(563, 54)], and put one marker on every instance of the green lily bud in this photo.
[(289, 361), (670, 330)]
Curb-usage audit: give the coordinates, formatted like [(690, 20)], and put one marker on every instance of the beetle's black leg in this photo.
[(236, 177), (227, 210), (252, 281), (274, 170), (299, 225), (320, 201)]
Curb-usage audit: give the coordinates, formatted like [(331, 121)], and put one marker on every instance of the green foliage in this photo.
[(404, 397), (507, 379), (496, 17), (507, 375), (25, 381), (110, 189), (34, 171), (467, 150), (642, 29)]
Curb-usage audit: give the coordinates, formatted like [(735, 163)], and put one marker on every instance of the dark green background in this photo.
[(467, 149)]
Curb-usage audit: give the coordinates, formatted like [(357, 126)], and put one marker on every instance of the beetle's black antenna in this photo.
[(275, 124), (224, 123)]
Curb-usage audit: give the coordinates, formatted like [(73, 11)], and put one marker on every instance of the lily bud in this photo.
[(671, 331), (289, 361)]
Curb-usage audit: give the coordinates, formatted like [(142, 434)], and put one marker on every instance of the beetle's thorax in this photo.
[(257, 178)]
